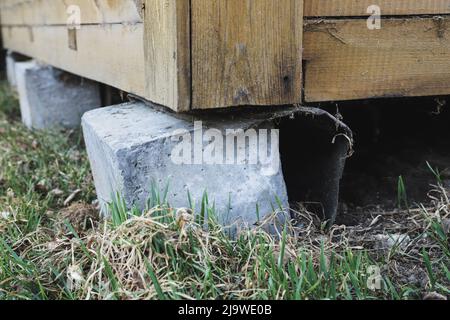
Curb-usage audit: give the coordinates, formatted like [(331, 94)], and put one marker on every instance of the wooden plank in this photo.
[(346, 8), (345, 60), (54, 12), (167, 53), (246, 52), (152, 62), (112, 54)]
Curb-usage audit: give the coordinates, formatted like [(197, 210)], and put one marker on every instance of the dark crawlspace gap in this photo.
[(393, 138), (313, 153)]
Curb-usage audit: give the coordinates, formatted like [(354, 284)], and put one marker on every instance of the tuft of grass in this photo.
[(435, 172), (402, 196), (38, 171), (8, 102)]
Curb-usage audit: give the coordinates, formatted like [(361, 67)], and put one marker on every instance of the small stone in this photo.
[(434, 296), (5, 215), (387, 242), (57, 192)]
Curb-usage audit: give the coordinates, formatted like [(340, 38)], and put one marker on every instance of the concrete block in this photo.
[(12, 59), (132, 146), (51, 98), (10, 69)]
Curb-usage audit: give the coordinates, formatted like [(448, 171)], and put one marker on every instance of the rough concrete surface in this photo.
[(131, 147), (51, 98), (10, 70)]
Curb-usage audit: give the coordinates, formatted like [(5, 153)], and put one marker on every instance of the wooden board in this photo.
[(345, 60), (54, 12), (262, 54), (246, 52), (240, 52), (167, 53), (93, 59), (346, 8)]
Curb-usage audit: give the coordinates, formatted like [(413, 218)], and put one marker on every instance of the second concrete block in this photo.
[(51, 98)]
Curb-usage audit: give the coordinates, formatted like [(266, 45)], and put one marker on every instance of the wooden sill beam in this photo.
[(344, 60), (184, 54), (205, 54)]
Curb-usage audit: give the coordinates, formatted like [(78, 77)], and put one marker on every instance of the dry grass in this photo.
[(159, 256)]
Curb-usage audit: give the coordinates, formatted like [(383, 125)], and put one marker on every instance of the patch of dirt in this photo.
[(397, 237), (81, 216)]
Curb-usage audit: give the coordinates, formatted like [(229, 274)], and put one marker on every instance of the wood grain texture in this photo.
[(346, 8), (167, 53), (117, 58), (344, 60), (54, 12), (246, 52), (243, 52)]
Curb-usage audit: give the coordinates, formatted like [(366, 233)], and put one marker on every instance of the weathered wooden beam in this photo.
[(246, 52), (54, 12), (167, 53), (242, 52), (203, 54), (344, 60), (111, 54)]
